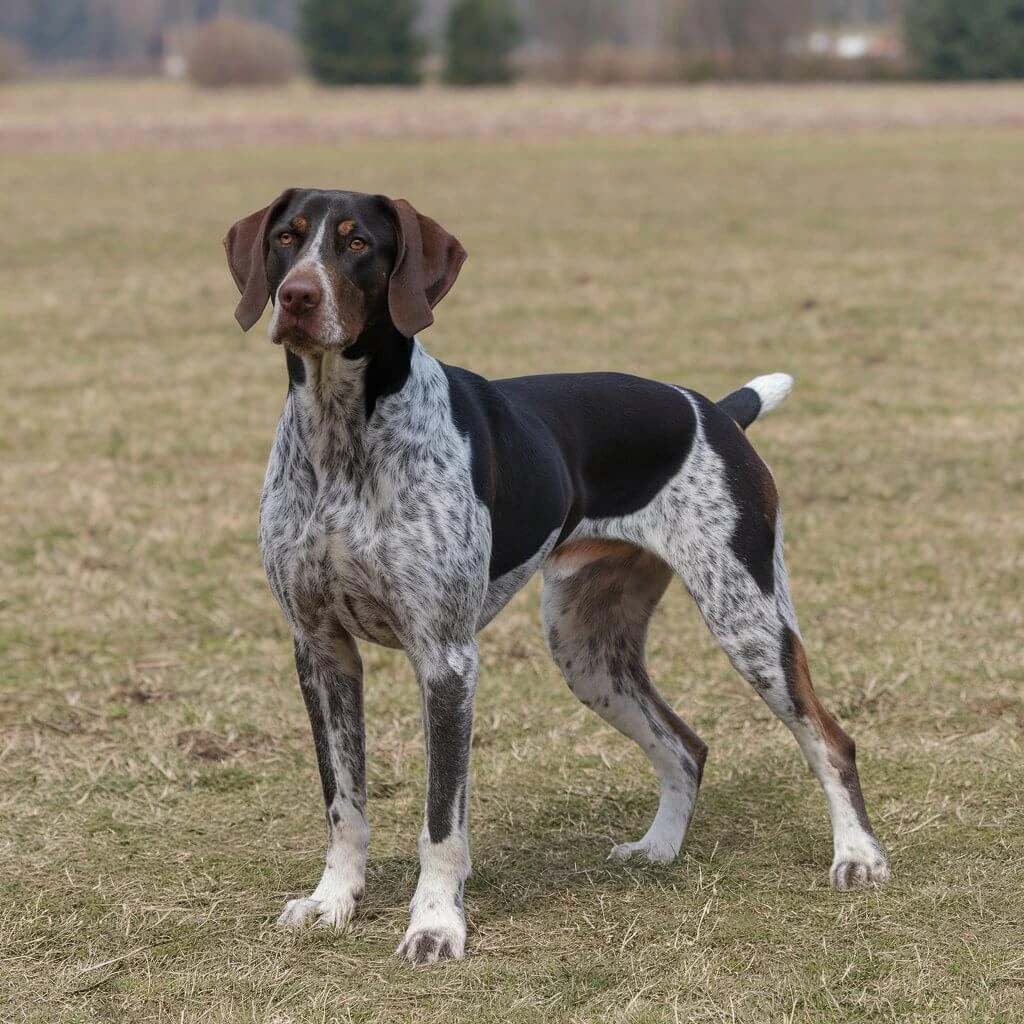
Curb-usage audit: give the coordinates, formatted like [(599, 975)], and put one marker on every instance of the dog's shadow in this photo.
[(561, 846)]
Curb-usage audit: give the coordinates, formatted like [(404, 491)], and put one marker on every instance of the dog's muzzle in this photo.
[(298, 321)]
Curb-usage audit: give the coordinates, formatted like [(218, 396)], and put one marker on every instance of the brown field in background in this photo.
[(159, 798), (102, 114)]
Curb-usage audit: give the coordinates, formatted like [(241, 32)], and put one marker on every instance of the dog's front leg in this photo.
[(331, 678), (437, 925)]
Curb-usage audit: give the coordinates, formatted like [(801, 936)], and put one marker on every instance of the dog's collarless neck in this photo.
[(376, 365), (336, 397)]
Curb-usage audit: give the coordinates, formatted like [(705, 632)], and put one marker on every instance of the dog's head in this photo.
[(335, 264)]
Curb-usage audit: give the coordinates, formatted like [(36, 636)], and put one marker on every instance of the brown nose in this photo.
[(300, 296)]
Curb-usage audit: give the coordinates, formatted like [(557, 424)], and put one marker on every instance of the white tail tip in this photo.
[(772, 389)]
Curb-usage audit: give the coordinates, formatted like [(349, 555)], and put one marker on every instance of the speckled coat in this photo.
[(406, 501)]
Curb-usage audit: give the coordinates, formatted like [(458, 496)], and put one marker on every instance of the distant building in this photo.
[(851, 45)]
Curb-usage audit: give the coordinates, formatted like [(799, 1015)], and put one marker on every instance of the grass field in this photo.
[(158, 791)]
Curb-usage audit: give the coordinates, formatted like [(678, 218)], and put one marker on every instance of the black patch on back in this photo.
[(752, 489), (550, 450), (744, 406)]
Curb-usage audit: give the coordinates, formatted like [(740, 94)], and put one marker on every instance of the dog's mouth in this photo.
[(295, 337), (302, 336)]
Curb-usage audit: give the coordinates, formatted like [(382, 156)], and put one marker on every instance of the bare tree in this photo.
[(119, 30), (574, 25), (753, 28)]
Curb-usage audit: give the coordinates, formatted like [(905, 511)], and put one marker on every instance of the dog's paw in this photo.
[(645, 849), (330, 911), (857, 870), (428, 945)]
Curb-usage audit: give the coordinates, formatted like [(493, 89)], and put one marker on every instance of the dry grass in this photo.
[(101, 115), (158, 795)]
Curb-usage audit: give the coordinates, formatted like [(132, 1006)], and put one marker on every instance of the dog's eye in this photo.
[(285, 238), (357, 245)]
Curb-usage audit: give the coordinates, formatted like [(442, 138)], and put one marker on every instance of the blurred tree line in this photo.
[(384, 40), (118, 29), (954, 39), (121, 30)]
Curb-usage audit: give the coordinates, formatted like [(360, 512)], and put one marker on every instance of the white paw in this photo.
[(856, 869), (332, 910), (427, 945), (646, 849)]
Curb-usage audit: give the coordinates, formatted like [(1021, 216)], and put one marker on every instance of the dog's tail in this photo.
[(756, 398)]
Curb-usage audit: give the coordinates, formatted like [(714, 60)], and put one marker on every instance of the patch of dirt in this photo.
[(999, 706), (138, 693), (71, 726), (204, 745)]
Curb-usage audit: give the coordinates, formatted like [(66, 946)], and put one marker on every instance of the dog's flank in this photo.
[(406, 501)]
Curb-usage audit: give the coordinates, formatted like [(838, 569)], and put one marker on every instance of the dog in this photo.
[(406, 501)]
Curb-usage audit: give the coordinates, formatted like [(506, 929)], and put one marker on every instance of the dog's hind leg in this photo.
[(760, 635), (723, 535), (596, 611)]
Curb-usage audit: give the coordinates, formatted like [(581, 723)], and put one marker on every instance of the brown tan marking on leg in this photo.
[(841, 747), (693, 744)]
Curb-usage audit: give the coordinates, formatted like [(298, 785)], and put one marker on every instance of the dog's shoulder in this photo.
[(518, 467)]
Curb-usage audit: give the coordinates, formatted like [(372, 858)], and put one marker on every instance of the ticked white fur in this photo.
[(373, 530)]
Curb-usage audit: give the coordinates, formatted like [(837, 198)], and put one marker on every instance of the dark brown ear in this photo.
[(427, 262), (246, 248)]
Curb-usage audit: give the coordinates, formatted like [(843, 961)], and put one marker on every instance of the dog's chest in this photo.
[(330, 563), (392, 548)]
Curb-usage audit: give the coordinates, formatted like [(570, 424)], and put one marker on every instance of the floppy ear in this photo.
[(427, 261), (246, 248)]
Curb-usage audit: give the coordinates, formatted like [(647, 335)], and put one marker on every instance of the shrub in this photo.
[(481, 36), (12, 61), (362, 42), (230, 51), (966, 38)]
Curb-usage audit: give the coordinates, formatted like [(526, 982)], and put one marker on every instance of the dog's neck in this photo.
[(337, 394), (377, 364)]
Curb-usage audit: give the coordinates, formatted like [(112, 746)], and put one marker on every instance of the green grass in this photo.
[(158, 791)]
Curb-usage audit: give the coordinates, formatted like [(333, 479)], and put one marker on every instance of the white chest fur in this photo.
[(374, 524)]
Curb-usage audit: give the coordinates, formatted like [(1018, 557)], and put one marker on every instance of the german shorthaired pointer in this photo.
[(406, 501)]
